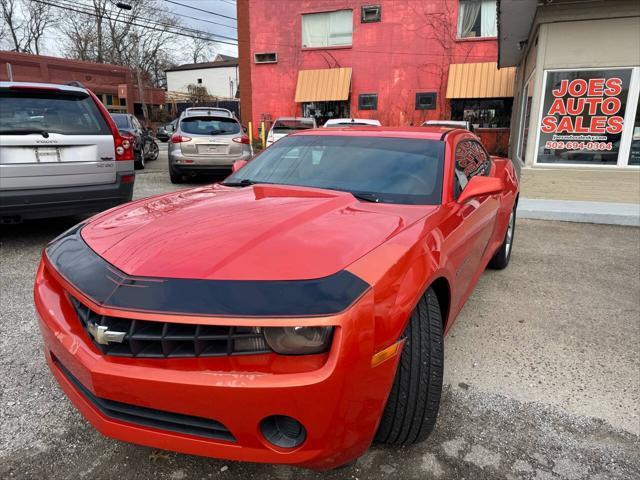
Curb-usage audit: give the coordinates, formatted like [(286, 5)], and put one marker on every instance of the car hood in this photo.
[(262, 232)]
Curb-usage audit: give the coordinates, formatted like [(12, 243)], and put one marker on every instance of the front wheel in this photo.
[(412, 406), (501, 258)]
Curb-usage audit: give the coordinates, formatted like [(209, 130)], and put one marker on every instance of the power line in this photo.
[(130, 22), (201, 10), (90, 10)]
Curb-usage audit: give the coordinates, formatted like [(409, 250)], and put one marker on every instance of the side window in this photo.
[(471, 160)]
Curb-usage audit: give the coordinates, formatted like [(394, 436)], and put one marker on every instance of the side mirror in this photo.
[(479, 186), (237, 165), (169, 128)]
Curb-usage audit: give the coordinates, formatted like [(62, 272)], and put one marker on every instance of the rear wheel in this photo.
[(501, 258), (152, 151), (138, 161), (175, 177), (412, 406)]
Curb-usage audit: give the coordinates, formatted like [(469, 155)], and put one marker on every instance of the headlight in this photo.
[(298, 340)]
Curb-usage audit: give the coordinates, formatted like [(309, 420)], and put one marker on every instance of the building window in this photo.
[(330, 29), (368, 101), (583, 116), (370, 13), (426, 100), (199, 80), (271, 57), (483, 112), (477, 18)]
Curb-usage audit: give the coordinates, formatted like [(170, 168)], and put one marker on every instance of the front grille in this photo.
[(145, 339), (150, 417)]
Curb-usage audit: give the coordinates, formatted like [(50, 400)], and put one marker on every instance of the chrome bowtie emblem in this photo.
[(103, 335)]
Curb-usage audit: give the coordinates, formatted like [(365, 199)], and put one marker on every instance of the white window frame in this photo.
[(627, 133), (481, 36), (309, 14)]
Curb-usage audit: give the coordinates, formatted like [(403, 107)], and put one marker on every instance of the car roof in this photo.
[(422, 133), (44, 86)]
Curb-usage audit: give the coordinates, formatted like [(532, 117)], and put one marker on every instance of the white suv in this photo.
[(60, 153)]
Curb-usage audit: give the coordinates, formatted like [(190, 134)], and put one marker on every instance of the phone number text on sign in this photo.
[(578, 145)]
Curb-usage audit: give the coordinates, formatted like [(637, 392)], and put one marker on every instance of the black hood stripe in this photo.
[(106, 285)]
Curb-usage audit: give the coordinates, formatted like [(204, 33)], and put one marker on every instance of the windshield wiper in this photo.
[(242, 183), (25, 131), (366, 196)]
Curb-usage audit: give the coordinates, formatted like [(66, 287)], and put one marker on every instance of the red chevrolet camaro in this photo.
[(293, 313)]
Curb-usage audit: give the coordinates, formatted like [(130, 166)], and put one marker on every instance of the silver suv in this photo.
[(204, 143), (60, 153)]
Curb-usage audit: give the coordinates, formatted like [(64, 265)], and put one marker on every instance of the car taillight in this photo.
[(242, 139), (176, 138), (122, 145)]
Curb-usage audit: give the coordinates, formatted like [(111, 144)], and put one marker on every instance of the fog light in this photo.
[(283, 431)]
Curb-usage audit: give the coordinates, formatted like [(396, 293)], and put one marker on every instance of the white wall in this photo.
[(216, 80)]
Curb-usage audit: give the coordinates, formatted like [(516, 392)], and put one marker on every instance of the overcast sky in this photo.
[(224, 7)]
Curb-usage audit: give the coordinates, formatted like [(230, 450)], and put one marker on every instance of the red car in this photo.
[(292, 314)]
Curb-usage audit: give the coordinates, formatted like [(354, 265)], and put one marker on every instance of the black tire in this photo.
[(175, 177), (138, 162), (501, 258), (412, 407)]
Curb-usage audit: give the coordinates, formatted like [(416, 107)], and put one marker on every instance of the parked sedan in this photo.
[(284, 126), (144, 146), (206, 144), (292, 314), (164, 132), (351, 122)]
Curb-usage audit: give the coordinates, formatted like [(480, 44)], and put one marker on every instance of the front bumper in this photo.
[(338, 396), (66, 201)]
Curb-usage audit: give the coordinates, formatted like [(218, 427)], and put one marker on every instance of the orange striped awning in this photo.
[(328, 84), (480, 80)]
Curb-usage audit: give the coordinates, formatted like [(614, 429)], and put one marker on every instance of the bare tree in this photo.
[(139, 38), (25, 23), (39, 18), (200, 50), (14, 24)]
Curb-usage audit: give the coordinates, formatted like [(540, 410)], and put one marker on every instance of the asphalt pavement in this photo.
[(542, 373)]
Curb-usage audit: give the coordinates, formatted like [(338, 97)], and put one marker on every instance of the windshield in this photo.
[(387, 170), (288, 126), (209, 126), (23, 112), (121, 121)]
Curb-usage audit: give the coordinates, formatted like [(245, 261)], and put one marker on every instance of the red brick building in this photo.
[(400, 62), (113, 84)]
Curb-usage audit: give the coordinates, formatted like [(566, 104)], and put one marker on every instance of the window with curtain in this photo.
[(477, 18), (329, 29)]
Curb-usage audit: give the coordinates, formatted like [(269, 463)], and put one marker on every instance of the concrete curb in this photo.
[(627, 214)]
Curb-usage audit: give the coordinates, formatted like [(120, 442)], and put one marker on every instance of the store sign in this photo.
[(583, 114)]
